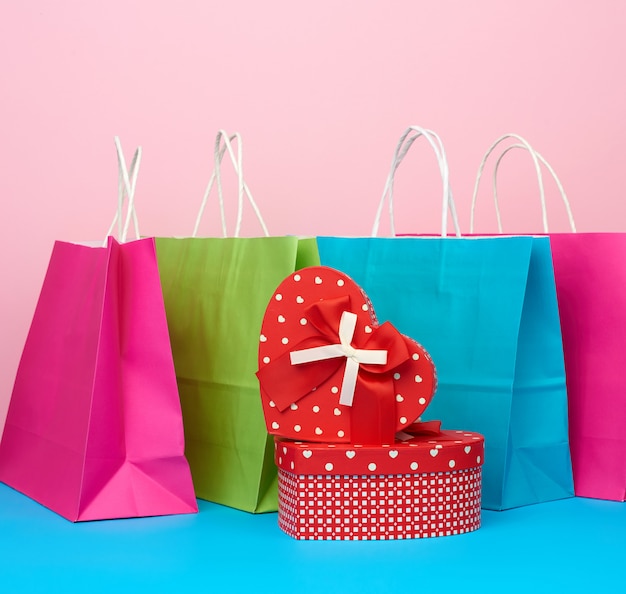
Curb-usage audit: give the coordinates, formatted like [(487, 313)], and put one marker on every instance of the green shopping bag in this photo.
[(216, 291)]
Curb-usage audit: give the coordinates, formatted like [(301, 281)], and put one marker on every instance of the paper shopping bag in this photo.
[(94, 427), (486, 310), (591, 290), (216, 291)]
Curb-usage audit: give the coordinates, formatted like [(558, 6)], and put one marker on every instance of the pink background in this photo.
[(320, 92)]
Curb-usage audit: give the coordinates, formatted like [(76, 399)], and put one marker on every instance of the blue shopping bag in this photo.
[(591, 289), (485, 308)]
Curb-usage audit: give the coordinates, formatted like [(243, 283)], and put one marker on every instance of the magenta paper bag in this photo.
[(590, 280), (94, 428), (591, 289)]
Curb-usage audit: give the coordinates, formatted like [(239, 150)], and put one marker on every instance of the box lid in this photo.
[(429, 450)]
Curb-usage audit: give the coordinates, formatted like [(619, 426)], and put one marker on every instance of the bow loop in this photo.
[(354, 357)]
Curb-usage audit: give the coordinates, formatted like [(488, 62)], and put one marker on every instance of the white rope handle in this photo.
[(126, 185), (402, 148), (216, 177), (537, 158), (555, 177)]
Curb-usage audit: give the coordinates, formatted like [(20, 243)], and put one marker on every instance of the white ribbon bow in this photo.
[(354, 357)]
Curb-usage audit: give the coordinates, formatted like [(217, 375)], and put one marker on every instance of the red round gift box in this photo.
[(429, 485)]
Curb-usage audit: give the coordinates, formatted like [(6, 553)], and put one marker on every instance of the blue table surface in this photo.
[(573, 545)]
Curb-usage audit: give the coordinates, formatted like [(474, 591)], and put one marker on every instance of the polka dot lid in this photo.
[(442, 452), (329, 372)]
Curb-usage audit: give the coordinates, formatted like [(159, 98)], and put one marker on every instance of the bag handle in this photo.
[(401, 150), (537, 158), (216, 177), (126, 185)]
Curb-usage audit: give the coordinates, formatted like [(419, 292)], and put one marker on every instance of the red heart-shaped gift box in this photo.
[(329, 372)]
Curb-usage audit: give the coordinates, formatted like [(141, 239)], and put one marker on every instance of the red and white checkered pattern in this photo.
[(379, 507)]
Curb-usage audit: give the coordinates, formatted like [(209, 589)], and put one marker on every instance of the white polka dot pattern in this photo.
[(432, 453), (379, 507)]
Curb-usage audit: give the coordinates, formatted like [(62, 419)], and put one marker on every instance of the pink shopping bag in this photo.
[(591, 289), (94, 427)]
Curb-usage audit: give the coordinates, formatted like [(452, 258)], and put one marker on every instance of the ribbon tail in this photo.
[(431, 428), (373, 417), (348, 384)]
